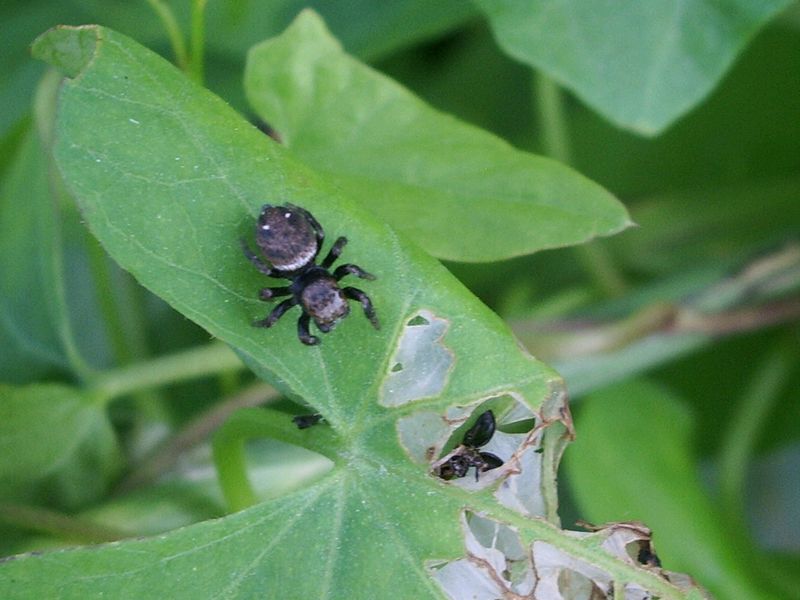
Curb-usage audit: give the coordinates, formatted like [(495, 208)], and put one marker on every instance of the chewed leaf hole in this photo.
[(417, 321), (498, 564), (421, 363)]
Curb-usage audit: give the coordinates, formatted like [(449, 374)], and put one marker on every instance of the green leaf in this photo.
[(711, 224), (34, 324), (168, 178), (640, 64), (31, 344), (41, 256), (368, 29), (67, 49), (459, 192), (56, 446), (635, 446)]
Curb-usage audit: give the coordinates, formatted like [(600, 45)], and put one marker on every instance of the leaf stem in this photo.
[(597, 262), (173, 30), (211, 359), (243, 425), (56, 524), (195, 432), (551, 116), (551, 119), (120, 304), (98, 263), (80, 367), (740, 439), (197, 41)]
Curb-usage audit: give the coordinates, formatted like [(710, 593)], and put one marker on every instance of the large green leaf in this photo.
[(168, 178), (28, 246), (43, 261), (35, 330), (641, 64), (459, 192), (56, 445), (646, 472), (368, 29)]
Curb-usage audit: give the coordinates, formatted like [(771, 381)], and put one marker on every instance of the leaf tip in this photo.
[(313, 27), (67, 48)]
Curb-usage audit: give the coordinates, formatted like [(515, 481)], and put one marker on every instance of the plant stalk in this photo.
[(746, 424), (594, 258), (197, 34), (211, 359), (173, 30)]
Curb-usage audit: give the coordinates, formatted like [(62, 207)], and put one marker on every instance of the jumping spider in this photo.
[(456, 464), (290, 238)]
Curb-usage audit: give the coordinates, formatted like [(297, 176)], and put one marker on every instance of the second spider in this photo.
[(290, 238)]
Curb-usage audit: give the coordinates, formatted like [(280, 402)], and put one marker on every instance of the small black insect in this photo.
[(306, 421), (290, 238), (647, 555), (467, 454)]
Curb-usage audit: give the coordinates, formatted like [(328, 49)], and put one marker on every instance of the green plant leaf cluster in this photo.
[(193, 172), (675, 51), (127, 188), (520, 203)]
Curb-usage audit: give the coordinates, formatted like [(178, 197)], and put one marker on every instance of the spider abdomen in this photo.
[(286, 238)]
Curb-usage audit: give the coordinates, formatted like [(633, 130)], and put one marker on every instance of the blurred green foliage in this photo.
[(691, 317)]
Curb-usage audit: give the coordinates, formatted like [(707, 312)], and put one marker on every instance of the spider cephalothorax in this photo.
[(290, 238)]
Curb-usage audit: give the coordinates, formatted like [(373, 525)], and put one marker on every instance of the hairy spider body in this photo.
[(458, 462), (290, 238)]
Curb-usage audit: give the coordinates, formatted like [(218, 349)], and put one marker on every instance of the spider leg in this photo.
[(276, 313), (366, 303), (267, 293), (303, 333), (259, 264), (350, 269), (306, 421), (334, 252)]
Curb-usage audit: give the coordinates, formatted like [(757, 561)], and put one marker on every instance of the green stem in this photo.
[(98, 263), (746, 424), (173, 30), (58, 525), (77, 363), (208, 360), (197, 40), (551, 116), (195, 432), (597, 262), (552, 119), (121, 306), (229, 448)]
